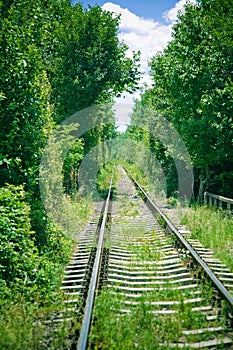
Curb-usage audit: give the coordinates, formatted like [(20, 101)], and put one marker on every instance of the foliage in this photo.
[(23, 327), (25, 111), (150, 131), (157, 154), (90, 63), (71, 166), (193, 86), (137, 173), (18, 252), (107, 172), (55, 59), (22, 269)]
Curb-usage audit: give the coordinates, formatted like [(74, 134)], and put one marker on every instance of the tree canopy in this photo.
[(55, 59), (193, 88)]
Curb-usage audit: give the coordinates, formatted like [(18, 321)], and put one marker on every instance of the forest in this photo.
[(57, 59)]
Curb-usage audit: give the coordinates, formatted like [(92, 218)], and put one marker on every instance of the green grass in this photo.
[(104, 177), (149, 182), (138, 173), (23, 324), (214, 230), (145, 252), (140, 328)]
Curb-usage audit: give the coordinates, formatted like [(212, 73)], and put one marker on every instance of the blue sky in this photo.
[(145, 26), (151, 9)]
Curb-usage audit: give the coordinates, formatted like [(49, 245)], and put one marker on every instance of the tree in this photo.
[(55, 60), (91, 65), (147, 129), (193, 86), (25, 111)]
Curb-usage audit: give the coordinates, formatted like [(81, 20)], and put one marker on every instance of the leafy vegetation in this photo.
[(156, 161), (214, 230), (29, 278), (104, 176), (23, 327), (137, 173), (19, 258), (193, 90), (56, 59), (148, 176)]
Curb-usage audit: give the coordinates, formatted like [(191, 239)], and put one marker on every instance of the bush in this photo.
[(23, 269), (19, 256), (50, 241)]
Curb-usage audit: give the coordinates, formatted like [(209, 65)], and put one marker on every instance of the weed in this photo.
[(213, 230)]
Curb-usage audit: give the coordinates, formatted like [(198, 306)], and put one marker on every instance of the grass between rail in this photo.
[(122, 322), (213, 229), (140, 322), (140, 328)]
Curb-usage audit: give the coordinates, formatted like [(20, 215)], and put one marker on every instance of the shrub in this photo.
[(23, 269), (19, 256)]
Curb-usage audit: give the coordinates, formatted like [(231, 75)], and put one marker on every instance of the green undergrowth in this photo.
[(31, 268), (151, 182), (104, 177), (24, 327), (137, 173), (214, 230)]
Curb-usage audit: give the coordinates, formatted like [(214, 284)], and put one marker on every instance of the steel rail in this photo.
[(87, 317), (217, 283)]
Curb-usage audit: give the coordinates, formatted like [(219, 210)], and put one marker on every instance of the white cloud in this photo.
[(141, 34), (144, 35), (171, 15)]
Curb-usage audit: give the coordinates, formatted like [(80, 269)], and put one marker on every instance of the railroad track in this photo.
[(132, 261)]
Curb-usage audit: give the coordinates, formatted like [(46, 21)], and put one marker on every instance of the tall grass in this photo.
[(23, 325), (214, 230)]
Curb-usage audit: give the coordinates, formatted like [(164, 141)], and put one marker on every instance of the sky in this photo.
[(150, 9), (145, 26)]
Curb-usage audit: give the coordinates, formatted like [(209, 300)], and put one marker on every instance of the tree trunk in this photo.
[(204, 183)]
